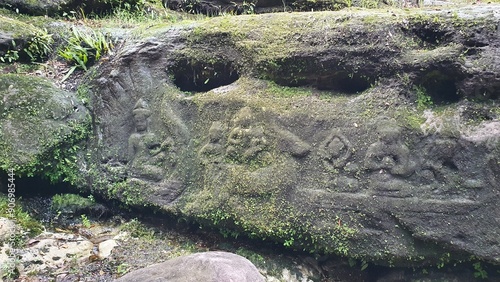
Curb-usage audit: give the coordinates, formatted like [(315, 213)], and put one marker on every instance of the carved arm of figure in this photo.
[(288, 142), (402, 159)]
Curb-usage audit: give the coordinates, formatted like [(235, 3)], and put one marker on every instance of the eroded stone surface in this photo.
[(343, 166)]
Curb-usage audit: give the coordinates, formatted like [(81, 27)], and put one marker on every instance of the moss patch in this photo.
[(40, 126)]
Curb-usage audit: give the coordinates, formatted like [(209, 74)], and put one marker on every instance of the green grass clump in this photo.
[(424, 100), (70, 203), (84, 48), (287, 92), (139, 230)]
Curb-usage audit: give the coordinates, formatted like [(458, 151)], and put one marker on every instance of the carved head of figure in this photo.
[(388, 131), (244, 118), (141, 114), (216, 132)]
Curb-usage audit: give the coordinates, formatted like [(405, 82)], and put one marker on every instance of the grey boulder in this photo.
[(207, 267)]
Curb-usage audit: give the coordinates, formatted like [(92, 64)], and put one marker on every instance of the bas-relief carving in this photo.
[(437, 164), (152, 159), (248, 153), (251, 141), (213, 151), (335, 152), (388, 154), (146, 151), (247, 140), (388, 161), (452, 169)]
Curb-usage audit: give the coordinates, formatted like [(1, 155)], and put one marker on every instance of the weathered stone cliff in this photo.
[(371, 134)]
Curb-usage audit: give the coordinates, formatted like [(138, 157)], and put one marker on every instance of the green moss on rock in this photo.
[(40, 125), (17, 28)]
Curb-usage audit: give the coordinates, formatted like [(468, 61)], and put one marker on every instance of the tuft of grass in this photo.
[(287, 92), (84, 48), (39, 46), (69, 203), (139, 230)]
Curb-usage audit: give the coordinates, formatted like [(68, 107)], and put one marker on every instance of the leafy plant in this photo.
[(138, 230), (369, 4), (479, 271), (71, 15), (39, 46), (84, 48), (85, 221), (248, 7), (191, 6), (423, 99), (122, 269), (254, 257), (11, 55)]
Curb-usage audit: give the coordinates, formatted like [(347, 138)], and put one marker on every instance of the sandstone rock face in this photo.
[(209, 266), (315, 130)]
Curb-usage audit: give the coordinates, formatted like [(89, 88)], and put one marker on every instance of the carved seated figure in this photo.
[(213, 151), (246, 140), (145, 150), (389, 153)]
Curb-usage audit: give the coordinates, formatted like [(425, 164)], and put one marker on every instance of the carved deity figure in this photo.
[(388, 153), (213, 151), (249, 140), (146, 152), (246, 139)]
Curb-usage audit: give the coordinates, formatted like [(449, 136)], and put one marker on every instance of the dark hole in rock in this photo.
[(449, 164), (36, 186), (474, 43), (344, 82), (430, 33), (471, 52), (201, 77), (440, 87)]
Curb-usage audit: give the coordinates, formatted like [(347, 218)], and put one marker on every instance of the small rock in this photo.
[(7, 227), (106, 247)]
